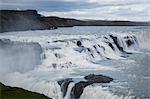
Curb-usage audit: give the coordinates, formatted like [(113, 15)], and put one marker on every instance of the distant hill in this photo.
[(62, 22), (115, 23), (20, 20)]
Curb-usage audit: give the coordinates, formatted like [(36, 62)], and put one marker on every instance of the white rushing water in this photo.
[(38, 68)]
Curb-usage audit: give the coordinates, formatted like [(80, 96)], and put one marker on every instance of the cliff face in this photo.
[(11, 20), (63, 22), (14, 20)]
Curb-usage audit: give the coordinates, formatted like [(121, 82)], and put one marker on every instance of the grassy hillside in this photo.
[(7, 92)]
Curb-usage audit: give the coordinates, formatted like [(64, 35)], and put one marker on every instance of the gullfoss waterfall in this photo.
[(58, 65)]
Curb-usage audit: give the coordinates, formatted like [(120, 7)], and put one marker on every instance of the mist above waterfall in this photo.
[(18, 57)]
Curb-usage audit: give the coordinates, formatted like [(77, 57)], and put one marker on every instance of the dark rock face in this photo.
[(14, 20), (114, 23), (79, 43), (62, 22), (115, 39), (97, 50), (64, 85), (98, 78), (112, 47), (95, 47), (78, 88), (129, 42), (88, 49)]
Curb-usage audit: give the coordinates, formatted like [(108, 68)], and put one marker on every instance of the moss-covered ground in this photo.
[(7, 92)]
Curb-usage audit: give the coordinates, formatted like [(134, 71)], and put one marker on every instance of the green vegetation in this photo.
[(7, 92)]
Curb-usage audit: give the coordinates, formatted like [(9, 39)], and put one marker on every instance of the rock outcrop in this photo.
[(78, 88), (11, 20), (64, 85), (97, 79), (115, 39)]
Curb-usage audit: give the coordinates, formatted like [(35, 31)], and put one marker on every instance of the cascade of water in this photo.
[(69, 91), (66, 54)]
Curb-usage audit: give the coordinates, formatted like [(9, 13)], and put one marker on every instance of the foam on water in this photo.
[(97, 92), (61, 58)]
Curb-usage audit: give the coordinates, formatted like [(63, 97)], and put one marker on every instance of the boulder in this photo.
[(79, 44)]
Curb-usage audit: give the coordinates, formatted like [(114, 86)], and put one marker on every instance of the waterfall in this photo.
[(18, 57), (40, 65), (69, 91)]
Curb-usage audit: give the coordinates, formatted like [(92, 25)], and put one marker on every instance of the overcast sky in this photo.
[(134, 10)]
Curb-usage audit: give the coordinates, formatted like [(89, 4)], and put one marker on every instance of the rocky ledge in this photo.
[(21, 20), (78, 88)]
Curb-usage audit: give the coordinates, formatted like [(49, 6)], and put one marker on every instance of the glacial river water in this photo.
[(61, 58)]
